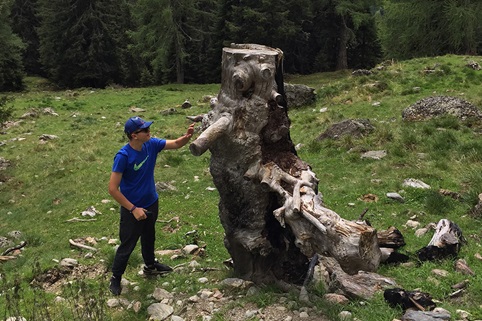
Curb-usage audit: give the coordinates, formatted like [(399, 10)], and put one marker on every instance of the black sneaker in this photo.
[(115, 285), (157, 269)]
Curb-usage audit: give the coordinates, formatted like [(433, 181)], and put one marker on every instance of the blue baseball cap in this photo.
[(135, 123)]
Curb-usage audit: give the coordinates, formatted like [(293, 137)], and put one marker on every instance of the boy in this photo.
[(132, 185)]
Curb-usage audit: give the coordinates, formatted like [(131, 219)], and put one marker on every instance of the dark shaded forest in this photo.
[(97, 43)]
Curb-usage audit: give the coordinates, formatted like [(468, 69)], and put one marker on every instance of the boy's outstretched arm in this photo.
[(181, 141)]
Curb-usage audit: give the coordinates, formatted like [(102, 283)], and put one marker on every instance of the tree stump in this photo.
[(273, 217)]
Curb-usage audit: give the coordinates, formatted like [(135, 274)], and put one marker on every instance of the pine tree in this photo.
[(11, 67), (352, 16), (25, 23), (173, 38), (81, 41), (413, 28)]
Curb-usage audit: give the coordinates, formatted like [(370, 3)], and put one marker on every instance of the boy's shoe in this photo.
[(115, 285), (157, 269)]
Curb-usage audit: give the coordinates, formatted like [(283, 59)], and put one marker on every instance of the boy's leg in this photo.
[(148, 237), (130, 230)]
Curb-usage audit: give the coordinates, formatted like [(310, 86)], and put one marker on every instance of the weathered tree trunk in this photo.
[(446, 242), (269, 205)]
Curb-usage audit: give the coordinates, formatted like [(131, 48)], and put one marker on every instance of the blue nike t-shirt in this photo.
[(137, 168)]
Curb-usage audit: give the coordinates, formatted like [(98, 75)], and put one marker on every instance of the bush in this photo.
[(5, 110)]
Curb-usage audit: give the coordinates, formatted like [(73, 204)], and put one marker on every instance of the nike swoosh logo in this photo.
[(137, 167)]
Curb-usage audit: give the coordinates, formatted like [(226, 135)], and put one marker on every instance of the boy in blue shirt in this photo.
[(132, 185)]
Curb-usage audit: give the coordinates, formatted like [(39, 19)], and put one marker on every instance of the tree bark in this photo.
[(342, 59), (273, 217)]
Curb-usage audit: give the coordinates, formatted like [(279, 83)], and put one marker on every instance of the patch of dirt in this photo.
[(249, 311), (52, 280)]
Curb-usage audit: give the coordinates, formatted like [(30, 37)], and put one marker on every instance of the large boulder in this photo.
[(437, 106), (352, 127), (299, 95)]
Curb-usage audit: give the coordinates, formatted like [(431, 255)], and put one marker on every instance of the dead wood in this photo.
[(363, 285), (409, 299), (76, 219), (82, 246), (273, 217), (13, 248), (391, 256), (446, 242), (391, 238), (4, 258)]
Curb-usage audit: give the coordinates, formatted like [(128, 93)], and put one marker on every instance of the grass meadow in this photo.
[(49, 183)]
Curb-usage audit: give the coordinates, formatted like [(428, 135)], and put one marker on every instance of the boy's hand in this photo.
[(190, 130), (139, 213)]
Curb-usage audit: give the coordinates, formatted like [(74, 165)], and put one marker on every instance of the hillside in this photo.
[(56, 156)]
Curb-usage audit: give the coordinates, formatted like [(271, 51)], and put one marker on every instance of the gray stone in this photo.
[(396, 197), (299, 95), (159, 311), (351, 127), (375, 154), (415, 183), (437, 106), (411, 315), (161, 294), (68, 262)]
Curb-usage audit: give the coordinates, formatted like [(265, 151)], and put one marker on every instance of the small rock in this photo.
[(396, 196), (159, 311), (421, 232), (345, 315), (112, 303), (377, 154), (304, 315), (136, 306), (68, 262), (161, 294), (193, 299), (415, 183), (411, 315), (440, 272), (190, 249), (250, 313), (412, 224), (336, 298), (462, 267), (463, 314)]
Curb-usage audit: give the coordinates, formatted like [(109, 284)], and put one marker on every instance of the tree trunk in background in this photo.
[(273, 217), (342, 58)]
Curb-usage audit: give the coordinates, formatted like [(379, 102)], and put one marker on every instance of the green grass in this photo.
[(48, 184)]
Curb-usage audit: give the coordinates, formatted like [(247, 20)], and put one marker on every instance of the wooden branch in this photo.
[(13, 248), (82, 246), (210, 135), (353, 244), (4, 258), (362, 285), (309, 275), (76, 219)]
